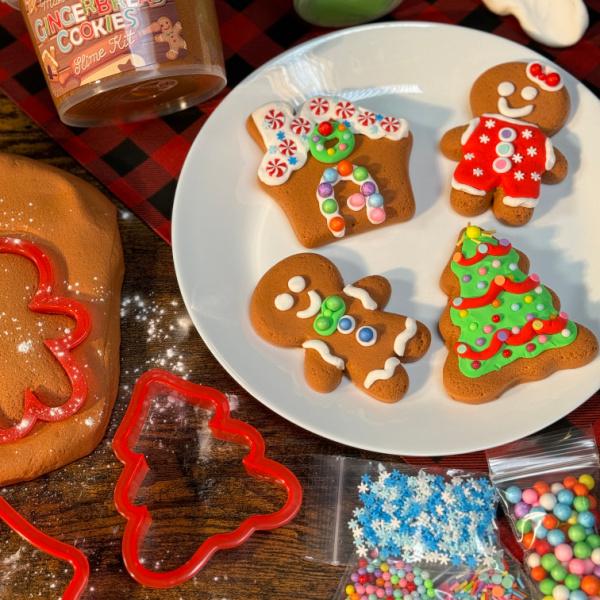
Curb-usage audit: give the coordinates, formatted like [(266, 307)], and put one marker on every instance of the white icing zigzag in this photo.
[(410, 328), (362, 295), (285, 134), (323, 349), (379, 374)]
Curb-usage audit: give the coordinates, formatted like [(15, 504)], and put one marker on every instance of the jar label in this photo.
[(88, 40)]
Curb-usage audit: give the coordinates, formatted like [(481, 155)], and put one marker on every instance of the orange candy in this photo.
[(580, 490), (569, 482), (541, 487), (337, 224), (590, 585), (550, 522), (528, 540), (538, 573), (345, 168)]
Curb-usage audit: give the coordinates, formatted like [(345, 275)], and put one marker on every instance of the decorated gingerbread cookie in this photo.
[(61, 267), (302, 302), (502, 326), (505, 152), (333, 167)]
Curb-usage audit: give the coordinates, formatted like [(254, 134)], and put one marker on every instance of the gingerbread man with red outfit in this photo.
[(505, 152)]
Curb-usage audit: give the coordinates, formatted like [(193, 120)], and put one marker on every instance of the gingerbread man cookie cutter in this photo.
[(45, 301), (52, 547), (223, 427)]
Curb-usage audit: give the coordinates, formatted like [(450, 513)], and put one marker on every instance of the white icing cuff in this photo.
[(323, 349), (410, 328), (525, 202), (381, 374), (463, 187), (550, 156), (464, 138), (362, 295)]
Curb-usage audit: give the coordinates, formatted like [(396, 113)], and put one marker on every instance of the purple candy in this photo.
[(354, 577), (502, 336), (325, 189), (529, 316), (480, 341), (367, 188), (521, 509), (316, 138), (466, 278), (503, 242)]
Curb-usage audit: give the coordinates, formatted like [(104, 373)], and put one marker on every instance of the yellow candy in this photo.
[(384, 567), (548, 597), (528, 299), (349, 590), (588, 481), (537, 324), (473, 232), (572, 519), (463, 313), (330, 151)]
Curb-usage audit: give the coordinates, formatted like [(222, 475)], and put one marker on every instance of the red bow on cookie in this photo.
[(544, 76)]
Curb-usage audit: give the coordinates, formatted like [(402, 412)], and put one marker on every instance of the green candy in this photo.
[(546, 586), (342, 149), (576, 533), (523, 526), (593, 540), (332, 310), (329, 206), (572, 581), (558, 573), (582, 550), (431, 593), (428, 583), (360, 173), (581, 503), (549, 561)]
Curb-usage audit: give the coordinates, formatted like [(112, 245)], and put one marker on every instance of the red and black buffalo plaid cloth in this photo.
[(140, 163)]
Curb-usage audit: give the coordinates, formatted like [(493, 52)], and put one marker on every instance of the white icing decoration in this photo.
[(505, 88), (469, 130), (372, 341), (362, 295), (547, 70), (323, 349), (313, 308), (529, 92), (463, 187), (525, 202), (296, 284), (410, 328), (508, 111), (555, 23), (550, 156), (509, 119), (284, 302), (381, 374), (285, 133)]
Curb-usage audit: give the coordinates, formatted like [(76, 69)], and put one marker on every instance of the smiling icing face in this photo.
[(532, 92)]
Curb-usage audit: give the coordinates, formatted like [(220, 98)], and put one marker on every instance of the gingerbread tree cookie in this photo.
[(505, 153), (502, 326), (333, 167), (302, 302)]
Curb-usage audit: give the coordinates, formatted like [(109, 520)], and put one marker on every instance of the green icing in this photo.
[(471, 325), (344, 136), (332, 310)]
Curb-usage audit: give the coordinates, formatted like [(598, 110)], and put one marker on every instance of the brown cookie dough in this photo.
[(291, 171), (291, 307), (537, 339), (76, 227), (505, 152)]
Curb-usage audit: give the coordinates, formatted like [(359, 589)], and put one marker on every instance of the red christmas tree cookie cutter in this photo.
[(223, 427), (52, 547), (45, 301)]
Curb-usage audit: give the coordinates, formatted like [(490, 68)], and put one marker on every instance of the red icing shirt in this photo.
[(506, 153)]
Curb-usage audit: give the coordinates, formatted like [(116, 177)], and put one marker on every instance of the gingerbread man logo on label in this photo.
[(302, 302), (335, 168), (505, 153)]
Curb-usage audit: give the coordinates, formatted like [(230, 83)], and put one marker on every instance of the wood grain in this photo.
[(190, 497)]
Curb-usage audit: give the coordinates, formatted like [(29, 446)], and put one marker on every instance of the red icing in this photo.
[(498, 285), (325, 128), (498, 250), (528, 161), (45, 301), (526, 334)]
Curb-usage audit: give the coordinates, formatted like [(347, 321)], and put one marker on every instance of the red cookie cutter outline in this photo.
[(51, 546), (44, 301), (223, 427)]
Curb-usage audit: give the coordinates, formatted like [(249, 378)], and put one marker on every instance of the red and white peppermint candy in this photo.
[(319, 105), (366, 118), (390, 124), (300, 126), (276, 167), (288, 147), (344, 109), (274, 119)]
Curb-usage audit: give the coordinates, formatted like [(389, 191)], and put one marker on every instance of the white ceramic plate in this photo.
[(227, 232)]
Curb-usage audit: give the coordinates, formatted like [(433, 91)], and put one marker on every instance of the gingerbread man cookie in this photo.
[(302, 302), (335, 168), (505, 152), (170, 34)]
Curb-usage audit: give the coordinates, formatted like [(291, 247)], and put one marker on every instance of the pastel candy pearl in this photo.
[(356, 201), (562, 511), (377, 215), (548, 501), (534, 560), (556, 537), (565, 496), (560, 592), (596, 556), (375, 200), (513, 494), (577, 566), (325, 189), (330, 175), (556, 487), (578, 595), (564, 552)]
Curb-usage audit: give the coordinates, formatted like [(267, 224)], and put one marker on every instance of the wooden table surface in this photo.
[(191, 494)]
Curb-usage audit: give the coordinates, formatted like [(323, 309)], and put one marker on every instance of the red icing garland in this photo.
[(499, 284), (44, 301), (526, 334), (499, 250)]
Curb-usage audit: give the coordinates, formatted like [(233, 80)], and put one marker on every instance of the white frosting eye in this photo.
[(366, 336), (346, 324), (529, 93), (296, 284), (506, 88), (284, 302)]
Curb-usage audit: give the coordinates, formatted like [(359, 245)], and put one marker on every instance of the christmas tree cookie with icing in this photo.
[(505, 152), (302, 302), (335, 168), (502, 326)]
